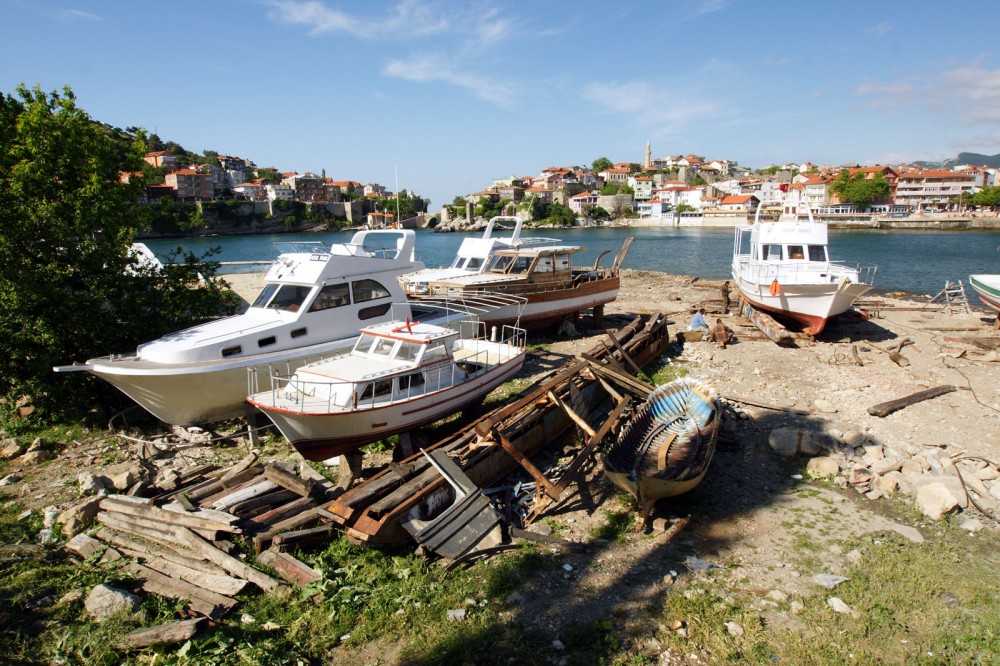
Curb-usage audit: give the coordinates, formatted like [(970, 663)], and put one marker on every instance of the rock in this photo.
[(912, 466), (885, 465), (35, 457), (734, 629), (123, 475), (854, 438), (12, 448), (829, 581), (91, 484), (796, 607), (911, 533), (859, 476), (950, 482), (9, 480), (80, 516), (49, 515), (456, 615), (47, 537), (931, 456), (790, 441), (777, 595), (886, 485), (854, 556), (987, 473), (873, 452), (839, 606), (824, 406), (558, 645), (935, 500), (514, 598), (37, 444), (972, 525), (822, 467), (84, 546), (105, 601)]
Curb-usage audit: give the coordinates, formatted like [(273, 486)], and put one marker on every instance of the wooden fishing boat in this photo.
[(987, 287), (665, 449)]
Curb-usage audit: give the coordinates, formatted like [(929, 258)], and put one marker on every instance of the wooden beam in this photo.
[(202, 601), (159, 516), (289, 568), (883, 409), (293, 482), (165, 634), (766, 405), (231, 564)]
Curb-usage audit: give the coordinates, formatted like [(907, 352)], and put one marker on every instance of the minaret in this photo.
[(649, 161)]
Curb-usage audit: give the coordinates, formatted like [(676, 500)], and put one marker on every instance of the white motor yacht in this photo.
[(314, 301)]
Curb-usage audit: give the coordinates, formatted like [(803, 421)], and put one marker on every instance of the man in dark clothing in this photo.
[(725, 297), (720, 334)]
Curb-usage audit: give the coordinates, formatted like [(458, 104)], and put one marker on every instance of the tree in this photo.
[(634, 167), (988, 196), (601, 164), (859, 190), (71, 289), (560, 214)]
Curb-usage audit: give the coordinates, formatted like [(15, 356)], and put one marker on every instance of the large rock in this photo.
[(790, 441), (935, 500), (884, 466), (91, 484), (12, 448), (80, 516), (105, 601), (822, 466)]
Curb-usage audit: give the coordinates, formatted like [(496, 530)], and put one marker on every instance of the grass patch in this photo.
[(619, 523)]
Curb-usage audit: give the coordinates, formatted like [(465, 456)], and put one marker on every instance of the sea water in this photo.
[(918, 262)]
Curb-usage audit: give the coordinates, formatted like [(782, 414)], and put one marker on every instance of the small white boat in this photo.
[(399, 376), (314, 300), (987, 287), (784, 267), (473, 255)]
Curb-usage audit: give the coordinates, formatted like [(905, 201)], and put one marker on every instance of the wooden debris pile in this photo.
[(177, 541)]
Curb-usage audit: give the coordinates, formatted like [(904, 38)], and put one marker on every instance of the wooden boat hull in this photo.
[(987, 287), (667, 446), (811, 305), (319, 436)]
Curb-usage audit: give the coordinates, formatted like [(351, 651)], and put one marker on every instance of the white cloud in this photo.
[(648, 105), (410, 18), (434, 68), (880, 29), (74, 16), (970, 91)]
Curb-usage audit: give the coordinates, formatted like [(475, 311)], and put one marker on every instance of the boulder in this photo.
[(935, 500), (854, 438), (105, 601), (824, 406), (859, 476), (35, 457), (12, 448), (822, 467), (91, 484), (885, 465)]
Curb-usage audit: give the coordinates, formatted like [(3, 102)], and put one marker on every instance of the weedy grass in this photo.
[(935, 602)]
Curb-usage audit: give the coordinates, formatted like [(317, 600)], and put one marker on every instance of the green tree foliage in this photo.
[(859, 190), (598, 213), (560, 214), (698, 181), (634, 167), (270, 175), (70, 288), (988, 196), (601, 164)]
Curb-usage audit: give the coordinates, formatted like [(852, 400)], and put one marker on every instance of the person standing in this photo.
[(725, 297)]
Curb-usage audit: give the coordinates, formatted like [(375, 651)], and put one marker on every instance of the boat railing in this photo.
[(353, 249), (805, 272)]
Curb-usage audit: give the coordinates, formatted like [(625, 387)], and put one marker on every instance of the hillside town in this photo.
[(682, 189)]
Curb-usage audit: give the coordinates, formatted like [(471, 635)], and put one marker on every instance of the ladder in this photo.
[(953, 299)]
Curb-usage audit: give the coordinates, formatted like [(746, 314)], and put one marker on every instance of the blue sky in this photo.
[(452, 95)]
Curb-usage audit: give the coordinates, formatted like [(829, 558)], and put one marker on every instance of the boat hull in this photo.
[(987, 287), (319, 436), (191, 393), (811, 305)]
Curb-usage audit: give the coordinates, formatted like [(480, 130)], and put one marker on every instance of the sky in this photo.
[(444, 97)]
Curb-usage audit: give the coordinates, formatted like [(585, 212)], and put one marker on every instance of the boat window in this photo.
[(376, 389), (435, 350), (266, 342), (563, 262), (796, 252), (265, 295), (232, 351), (299, 332), (772, 252), (817, 253), (500, 264), (415, 381), (474, 264), (408, 351), (368, 290), (331, 296), (383, 346), (521, 265), (364, 343), (289, 297), (373, 311), (544, 265)]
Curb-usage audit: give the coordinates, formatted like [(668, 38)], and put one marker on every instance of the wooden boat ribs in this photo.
[(371, 512)]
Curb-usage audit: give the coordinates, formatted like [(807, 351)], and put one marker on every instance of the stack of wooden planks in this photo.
[(177, 543)]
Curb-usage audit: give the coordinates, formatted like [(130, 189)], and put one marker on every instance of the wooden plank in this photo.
[(156, 517), (165, 634), (200, 600), (252, 489), (883, 409), (238, 469), (301, 538), (289, 481), (137, 527), (281, 513), (272, 498), (766, 405), (228, 562), (289, 568), (218, 583), (304, 519), (171, 552)]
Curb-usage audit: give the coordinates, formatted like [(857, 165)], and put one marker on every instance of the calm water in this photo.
[(913, 261)]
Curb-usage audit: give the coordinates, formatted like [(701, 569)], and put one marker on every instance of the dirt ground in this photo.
[(740, 514)]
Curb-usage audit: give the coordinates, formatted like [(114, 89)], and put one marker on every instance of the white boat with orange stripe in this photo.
[(784, 267), (399, 376)]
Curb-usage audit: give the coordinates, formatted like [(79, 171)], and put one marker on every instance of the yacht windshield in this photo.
[(289, 297), (265, 295)]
